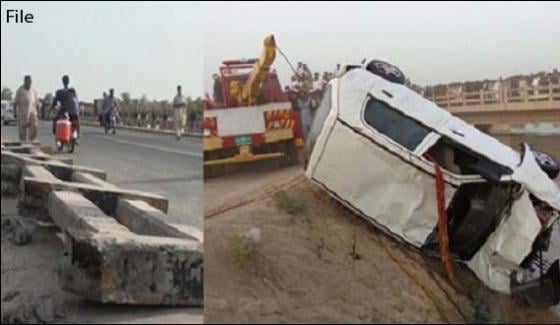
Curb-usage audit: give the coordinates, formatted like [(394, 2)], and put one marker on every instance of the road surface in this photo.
[(142, 161)]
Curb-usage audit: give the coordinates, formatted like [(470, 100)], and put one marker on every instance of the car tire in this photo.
[(386, 71), (547, 163)]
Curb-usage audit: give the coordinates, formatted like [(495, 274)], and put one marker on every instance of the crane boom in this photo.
[(248, 93)]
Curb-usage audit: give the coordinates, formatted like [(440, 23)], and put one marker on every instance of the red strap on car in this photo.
[(443, 233)]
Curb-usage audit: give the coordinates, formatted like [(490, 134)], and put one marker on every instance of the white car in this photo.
[(8, 115), (382, 150)]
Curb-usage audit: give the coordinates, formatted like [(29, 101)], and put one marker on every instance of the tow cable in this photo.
[(443, 231), (287, 60)]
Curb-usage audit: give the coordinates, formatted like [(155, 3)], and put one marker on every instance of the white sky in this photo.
[(431, 42), (149, 48), (143, 48)]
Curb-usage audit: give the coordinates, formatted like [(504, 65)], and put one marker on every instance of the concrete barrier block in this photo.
[(108, 263), (143, 219), (105, 198)]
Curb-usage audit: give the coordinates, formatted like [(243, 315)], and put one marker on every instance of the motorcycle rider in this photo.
[(61, 97), (74, 109), (110, 106)]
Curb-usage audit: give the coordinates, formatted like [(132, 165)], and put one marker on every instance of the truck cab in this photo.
[(251, 118)]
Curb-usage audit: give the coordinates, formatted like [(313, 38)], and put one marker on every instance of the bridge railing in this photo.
[(146, 121), (502, 95)]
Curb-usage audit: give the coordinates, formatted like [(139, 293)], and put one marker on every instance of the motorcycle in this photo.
[(66, 134), (111, 123)]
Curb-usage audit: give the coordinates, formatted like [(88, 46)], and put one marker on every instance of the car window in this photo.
[(394, 124), (459, 160)]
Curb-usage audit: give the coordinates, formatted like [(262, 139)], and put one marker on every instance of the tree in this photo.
[(125, 98), (7, 94), (195, 109), (126, 101), (143, 104)]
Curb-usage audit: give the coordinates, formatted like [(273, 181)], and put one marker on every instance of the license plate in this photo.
[(243, 140)]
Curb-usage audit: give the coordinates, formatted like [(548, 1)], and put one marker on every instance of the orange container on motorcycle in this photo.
[(63, 130)]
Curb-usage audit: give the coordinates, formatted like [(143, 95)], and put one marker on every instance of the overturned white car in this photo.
[(382, 150)]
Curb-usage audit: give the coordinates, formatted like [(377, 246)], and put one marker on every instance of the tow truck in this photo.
[(251, 119)]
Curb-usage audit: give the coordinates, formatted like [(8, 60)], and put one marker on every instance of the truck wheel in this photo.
[(386, 71), (289, 149)]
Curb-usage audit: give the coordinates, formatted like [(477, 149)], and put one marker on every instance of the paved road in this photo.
[(142, 161)]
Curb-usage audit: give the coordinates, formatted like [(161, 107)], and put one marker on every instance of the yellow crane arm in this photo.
[(249, 92)]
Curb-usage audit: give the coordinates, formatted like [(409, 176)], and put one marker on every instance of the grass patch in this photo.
[(292, 203), (244, 250)]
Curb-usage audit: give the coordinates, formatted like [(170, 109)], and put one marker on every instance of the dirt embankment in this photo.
[(327, 265)]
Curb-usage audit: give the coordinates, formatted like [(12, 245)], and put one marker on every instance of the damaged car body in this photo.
[(378, 148)]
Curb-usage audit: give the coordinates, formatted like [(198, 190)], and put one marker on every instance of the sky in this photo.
[(149, 48), (431, 42), (143, 48)]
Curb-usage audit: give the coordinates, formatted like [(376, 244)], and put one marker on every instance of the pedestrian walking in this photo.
[(179, 108), (26, 106)]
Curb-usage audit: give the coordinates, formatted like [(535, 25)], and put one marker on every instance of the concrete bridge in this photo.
[(499, 110)]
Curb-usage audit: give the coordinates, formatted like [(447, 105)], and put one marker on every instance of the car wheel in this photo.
[(547, 163), (386, 71)]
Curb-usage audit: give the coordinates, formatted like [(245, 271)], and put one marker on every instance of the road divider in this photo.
[(142, 129)]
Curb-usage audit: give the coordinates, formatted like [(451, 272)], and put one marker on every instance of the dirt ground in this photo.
[(328, 265)]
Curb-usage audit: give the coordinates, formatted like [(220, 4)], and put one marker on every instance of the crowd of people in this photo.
[(152, 113), (512, 86), (29, 108), (306, 87), (306, 90)]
